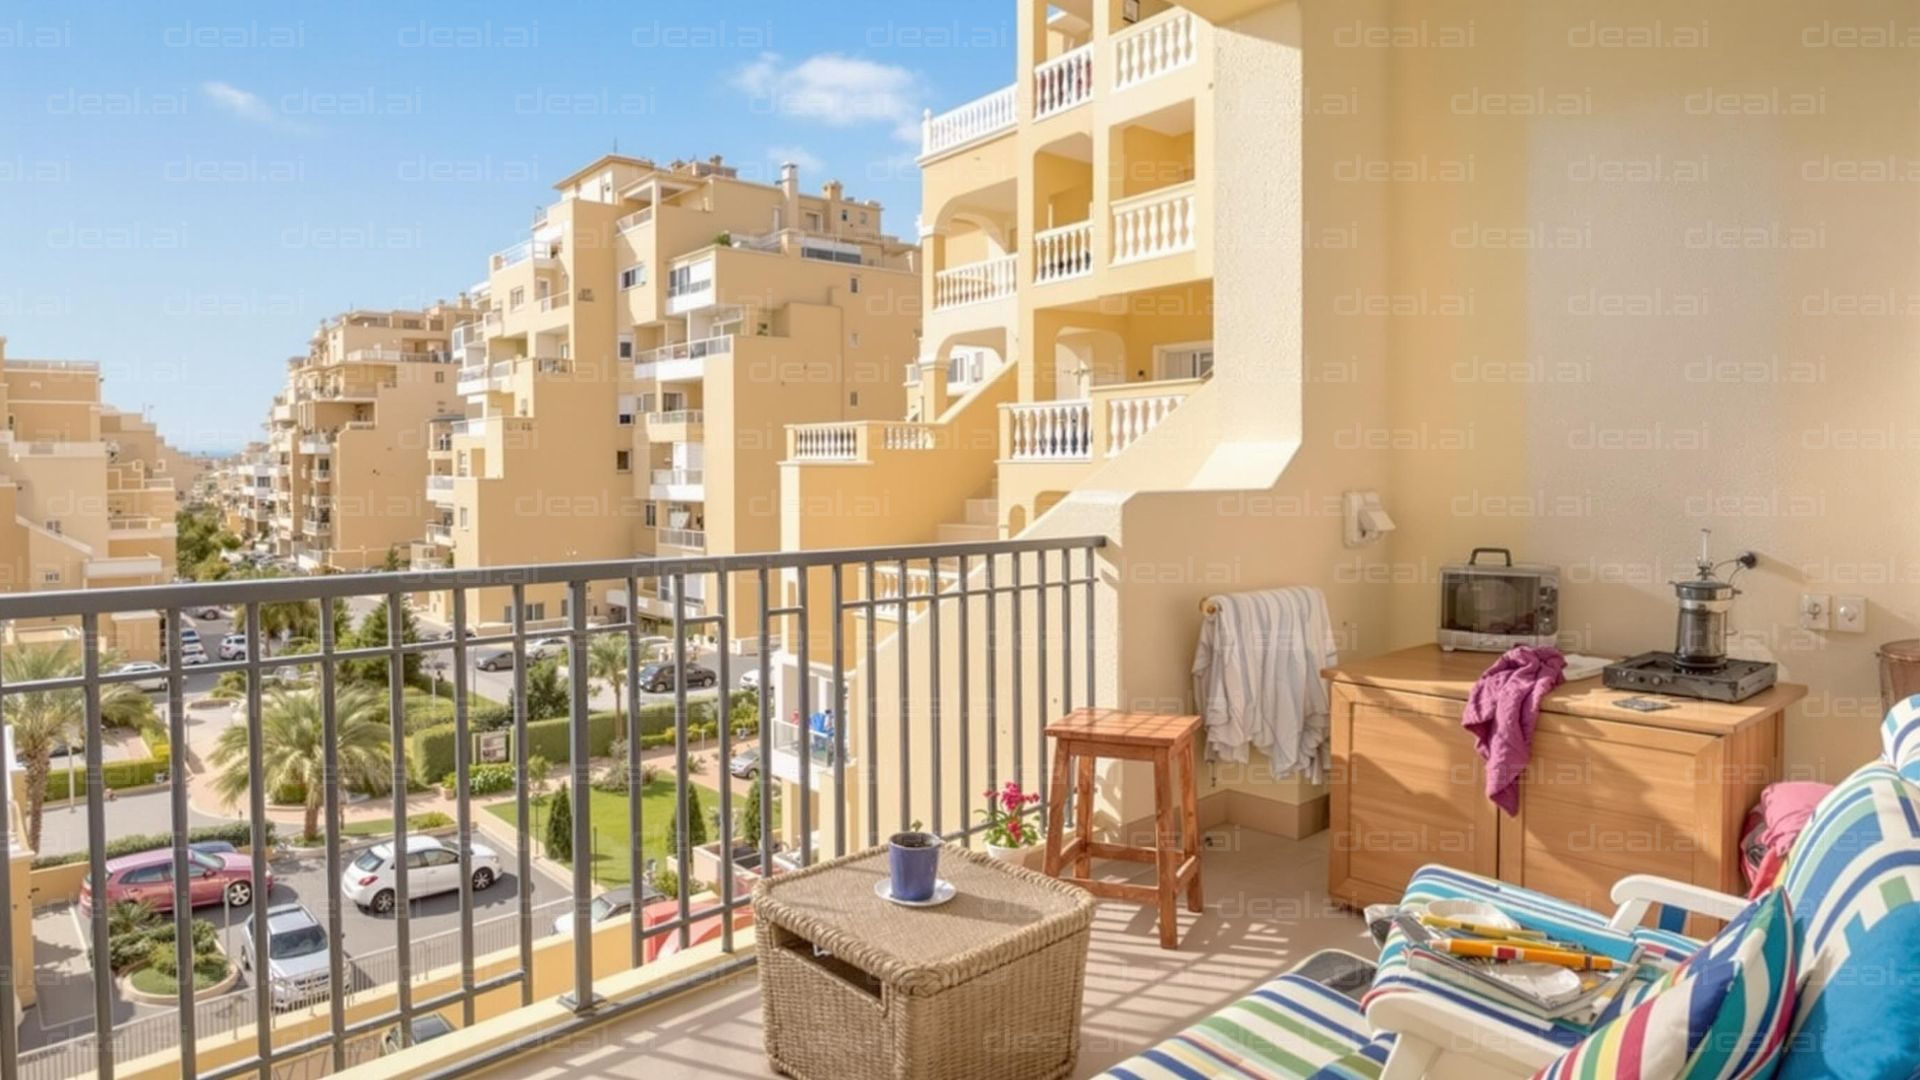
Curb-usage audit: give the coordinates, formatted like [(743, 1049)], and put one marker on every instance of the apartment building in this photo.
[(1067, 232), (87, 497), (244, 494), (347, 453), (640, 353)]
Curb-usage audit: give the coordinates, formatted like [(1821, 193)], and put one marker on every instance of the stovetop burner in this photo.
[(1661, 673)]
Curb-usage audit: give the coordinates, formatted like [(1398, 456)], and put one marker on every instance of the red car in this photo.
[(217, 878)]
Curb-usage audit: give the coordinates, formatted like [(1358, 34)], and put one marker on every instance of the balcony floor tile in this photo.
[(1267, 908)]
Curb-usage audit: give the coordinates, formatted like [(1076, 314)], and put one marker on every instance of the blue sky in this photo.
[(187, 189)]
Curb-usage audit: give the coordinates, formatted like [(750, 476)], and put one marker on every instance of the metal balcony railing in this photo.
[(815, 603)]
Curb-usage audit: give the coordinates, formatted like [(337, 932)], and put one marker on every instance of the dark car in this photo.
[(658, 678)]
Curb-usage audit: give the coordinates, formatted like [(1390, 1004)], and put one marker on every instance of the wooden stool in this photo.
[(1086, 734)]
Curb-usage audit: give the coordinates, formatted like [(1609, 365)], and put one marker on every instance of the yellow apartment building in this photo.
[(349, 437), (243, 492), (87, 495), (1068, 237), (638, 358)]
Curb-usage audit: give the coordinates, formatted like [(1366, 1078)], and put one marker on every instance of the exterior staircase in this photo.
[(982, 521)]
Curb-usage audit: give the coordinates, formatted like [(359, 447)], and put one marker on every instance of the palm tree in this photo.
[(47, 720), (607, 663), (292, 752)]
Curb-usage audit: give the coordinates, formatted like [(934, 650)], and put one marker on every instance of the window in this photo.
[(652, 515), (53, 526), (535, 612), (517, 298), (625, 347), (50, 577), (1191, 360), (463, 517), (813, 219), (843, 215), (633, 276), (853, 339), (439, 376), (625, 410), (623, 461), (853, 283)]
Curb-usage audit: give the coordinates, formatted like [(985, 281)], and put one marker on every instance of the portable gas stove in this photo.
[(1661, 673)]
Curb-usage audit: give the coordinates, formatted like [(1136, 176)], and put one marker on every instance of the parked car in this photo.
[(233, 647), (208, 612), (296, 968), (494, 660), (288, 675), (423, 1029), (212, 847), (225, 878), (750, 679), (542, 648), (157, 679), (608, 905), (746, 763), (658, 678), (193, 653), (433, 867)]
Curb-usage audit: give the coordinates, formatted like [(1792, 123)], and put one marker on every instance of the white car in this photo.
[(193, 653), (542, 648), (433, 867), (157, 679), (233, 647)]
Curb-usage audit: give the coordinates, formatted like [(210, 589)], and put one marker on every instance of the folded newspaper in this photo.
[(1546, 990)]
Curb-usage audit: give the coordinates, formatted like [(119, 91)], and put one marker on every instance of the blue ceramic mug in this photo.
[(913, 861)]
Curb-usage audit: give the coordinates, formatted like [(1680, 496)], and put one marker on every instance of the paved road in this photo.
[(63, 962), (63, 829)]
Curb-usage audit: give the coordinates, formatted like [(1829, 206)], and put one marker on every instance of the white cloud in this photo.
[(244, 104), (842, 91), (799, 155)]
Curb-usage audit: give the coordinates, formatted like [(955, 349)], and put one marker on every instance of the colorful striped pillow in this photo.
[(1723, 1015)]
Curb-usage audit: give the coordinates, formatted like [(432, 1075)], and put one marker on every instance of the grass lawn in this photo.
[(612, 863), (207, 970)]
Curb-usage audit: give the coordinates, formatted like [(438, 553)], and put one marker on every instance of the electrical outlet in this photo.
[(1814, 611), (1850, 614)]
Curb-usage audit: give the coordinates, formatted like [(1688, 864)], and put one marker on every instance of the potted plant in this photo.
[(913, 864), (1010, 838)]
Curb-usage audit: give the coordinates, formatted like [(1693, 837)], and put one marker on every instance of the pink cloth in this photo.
[(1503, 708), (1783, 811)]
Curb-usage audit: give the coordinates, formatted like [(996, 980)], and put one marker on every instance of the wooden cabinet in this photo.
[(1607, 792)]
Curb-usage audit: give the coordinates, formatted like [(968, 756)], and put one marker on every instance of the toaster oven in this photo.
[(1489, 607)]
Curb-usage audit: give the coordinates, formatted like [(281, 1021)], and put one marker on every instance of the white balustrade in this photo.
[(972, 283), (907, 437), (1129, 418), (976, 119), (1050, 431), (678, 476), (1153, 48), (826, 442), (1063, 82), (634, 220), (1154, 224), (1062, 253)]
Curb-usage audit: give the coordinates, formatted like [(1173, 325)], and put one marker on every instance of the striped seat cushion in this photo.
[(1900, 738), (1722, 1015), (1852, 879), (1290, 1029), (1560, 919)]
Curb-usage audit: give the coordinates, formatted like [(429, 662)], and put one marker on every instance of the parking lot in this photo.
[(63, 961)]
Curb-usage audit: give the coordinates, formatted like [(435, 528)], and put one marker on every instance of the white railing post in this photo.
[(1154, 48), (1049, 431), (976, 119), (1063, 82), (1064, 252), (1154, 224)]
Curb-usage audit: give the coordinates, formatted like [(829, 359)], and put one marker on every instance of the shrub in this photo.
[(489, 779), (560, 828), (119, 774), (667, 882), (696, 824), (429, 819), (237, 833), (492, 716)]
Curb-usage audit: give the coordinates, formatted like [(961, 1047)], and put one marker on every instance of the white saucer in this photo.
[(943, 891)]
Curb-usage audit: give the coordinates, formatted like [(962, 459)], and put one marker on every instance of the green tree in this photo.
[(560, 827), (393, 562), (547, 691), (47, 720), (750, 825), (607, 664), (373, 634), (293, 753), (696, 823)]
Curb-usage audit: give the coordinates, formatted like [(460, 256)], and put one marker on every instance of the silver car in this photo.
[(296, 955)]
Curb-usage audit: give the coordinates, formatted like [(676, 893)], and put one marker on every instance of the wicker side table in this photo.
[(984, 987)]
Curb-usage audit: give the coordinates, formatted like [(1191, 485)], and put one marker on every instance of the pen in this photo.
[(1484, 930), (1494, 950)]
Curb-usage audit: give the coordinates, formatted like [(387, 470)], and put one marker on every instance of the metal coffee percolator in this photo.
[(1700, 634)]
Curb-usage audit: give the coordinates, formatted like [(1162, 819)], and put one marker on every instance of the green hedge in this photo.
[(237, 833), (119, 774), (430, 751)]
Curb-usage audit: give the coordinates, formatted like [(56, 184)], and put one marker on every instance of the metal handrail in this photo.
[(960, 583)]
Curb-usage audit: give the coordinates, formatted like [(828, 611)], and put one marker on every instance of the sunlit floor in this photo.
[(1267, 909)]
